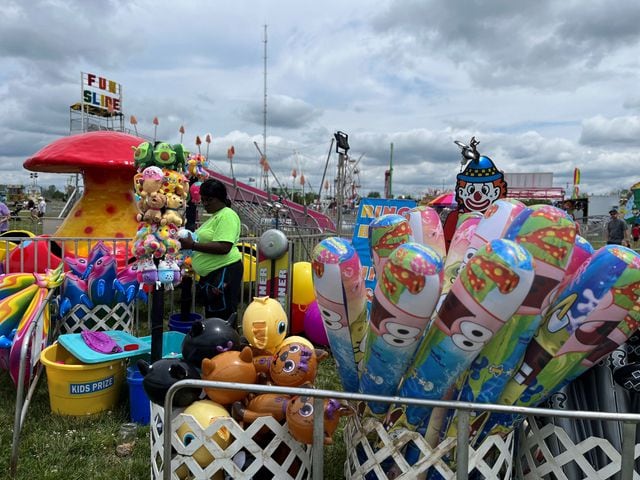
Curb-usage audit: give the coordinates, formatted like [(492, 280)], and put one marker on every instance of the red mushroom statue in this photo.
[(107, 208)]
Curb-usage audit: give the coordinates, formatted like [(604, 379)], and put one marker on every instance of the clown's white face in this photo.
[(476, 197)]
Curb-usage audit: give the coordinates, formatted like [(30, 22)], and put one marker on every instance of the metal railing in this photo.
[(29, 358), (629, 420)]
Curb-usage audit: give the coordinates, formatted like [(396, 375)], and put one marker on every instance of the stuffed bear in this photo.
[(149, 181), (172, 213), (153, 208)]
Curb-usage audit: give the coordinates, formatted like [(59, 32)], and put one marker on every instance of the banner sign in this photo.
[(101, 92), (371, 208)]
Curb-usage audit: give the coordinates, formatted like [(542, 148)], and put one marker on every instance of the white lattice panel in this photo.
[(99, 318), (265, 445), (537, 460), (370, 449)]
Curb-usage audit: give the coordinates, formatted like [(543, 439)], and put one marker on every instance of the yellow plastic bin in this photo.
[(77, 388)]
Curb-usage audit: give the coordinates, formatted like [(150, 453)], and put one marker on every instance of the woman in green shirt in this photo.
[(215, 256)]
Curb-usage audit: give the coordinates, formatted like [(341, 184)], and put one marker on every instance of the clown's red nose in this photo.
[(477, 196)]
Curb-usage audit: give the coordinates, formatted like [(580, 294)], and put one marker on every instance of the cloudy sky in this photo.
[(545, 86)]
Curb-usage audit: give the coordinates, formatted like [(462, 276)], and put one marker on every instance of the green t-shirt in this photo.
[(223, 226)]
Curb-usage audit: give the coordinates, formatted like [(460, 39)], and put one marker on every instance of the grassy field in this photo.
[(70, 448)]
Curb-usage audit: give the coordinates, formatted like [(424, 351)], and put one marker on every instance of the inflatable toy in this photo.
[(248, 261), (300, 418), (314, 326), (455, 259), (484, 296), (405, 296), (73, 292), (302, 289), (264, 323), (163, 373), (493, 225), (101, 281), (297, 339), (205, 412), (591, 316), (426, 228), (341, 297), (229, 366), (207, 338), (548, 234), (265, 405), (302, 294), (387, 232), (292, 365), (43, 282)]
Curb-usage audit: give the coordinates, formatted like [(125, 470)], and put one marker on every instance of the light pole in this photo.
[(34, 177)]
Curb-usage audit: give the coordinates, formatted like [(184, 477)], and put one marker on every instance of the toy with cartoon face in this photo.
[(485, 295), (404, 299), (481, 183), (204, 412), (208, 338), (265, 323), (341, 298), (265, 405), (295, 364), (300, 418), (426, 228), (164, 155), (230, 366)]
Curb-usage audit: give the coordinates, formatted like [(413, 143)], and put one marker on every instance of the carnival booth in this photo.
[(499, 304)]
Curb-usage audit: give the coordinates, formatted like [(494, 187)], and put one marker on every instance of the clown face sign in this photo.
[(481, 183)]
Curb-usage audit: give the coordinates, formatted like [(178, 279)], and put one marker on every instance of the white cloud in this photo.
[(545, 86)]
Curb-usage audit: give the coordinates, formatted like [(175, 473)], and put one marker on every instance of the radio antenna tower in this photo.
[(264, 182)]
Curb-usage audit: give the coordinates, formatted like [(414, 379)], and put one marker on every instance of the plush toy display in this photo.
[(151, 208), (173, 209), (162, 192)]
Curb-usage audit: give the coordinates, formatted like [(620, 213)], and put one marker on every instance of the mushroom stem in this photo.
[(106, 210)]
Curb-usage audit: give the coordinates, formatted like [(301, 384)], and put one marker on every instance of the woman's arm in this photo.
[(217, 248)]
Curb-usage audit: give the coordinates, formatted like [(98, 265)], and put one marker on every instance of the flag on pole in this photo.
[(576, 176)]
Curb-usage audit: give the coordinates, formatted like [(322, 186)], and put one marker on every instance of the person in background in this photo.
[(215, 256), (42, 207), (5, 215), (616, 232), (33, 210), (635, 234)]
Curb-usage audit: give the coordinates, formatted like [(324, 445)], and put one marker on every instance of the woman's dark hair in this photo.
[(213, 188)]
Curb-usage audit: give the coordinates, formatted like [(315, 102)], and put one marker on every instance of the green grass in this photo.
[(70, 448), (83, 448)]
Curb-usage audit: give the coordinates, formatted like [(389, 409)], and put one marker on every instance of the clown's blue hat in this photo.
[(481, 170)]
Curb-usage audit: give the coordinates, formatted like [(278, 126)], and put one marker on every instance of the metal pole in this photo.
[(340, 192), (391, 172), (82, 101), (157, 319), (628, 447), (324, 173), (264, 112), (462, 448), (317, 465)]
